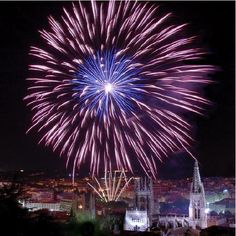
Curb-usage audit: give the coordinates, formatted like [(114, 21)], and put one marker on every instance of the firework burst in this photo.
[(112, 83), (111, 187)]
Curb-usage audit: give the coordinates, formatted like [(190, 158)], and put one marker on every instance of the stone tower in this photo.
[(197, 206), (144, 196)]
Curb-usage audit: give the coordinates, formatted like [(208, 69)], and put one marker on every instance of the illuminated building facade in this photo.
[(35, 206), (144, 195), (197, 206), (143, 217), (140, 219), (136, 220)]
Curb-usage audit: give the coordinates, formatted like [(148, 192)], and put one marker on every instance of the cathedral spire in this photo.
[(196, 179), (197, 205)]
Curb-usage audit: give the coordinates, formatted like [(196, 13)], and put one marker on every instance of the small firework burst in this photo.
[(111, 187)]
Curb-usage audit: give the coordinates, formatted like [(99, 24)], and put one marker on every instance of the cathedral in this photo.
[(197, 206), (142, 218)]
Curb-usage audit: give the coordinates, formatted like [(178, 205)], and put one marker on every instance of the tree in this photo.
[(13, 217), (42, 223), (18, 221), (82, 224)]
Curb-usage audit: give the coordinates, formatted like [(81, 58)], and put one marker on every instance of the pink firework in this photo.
[(112, 83)]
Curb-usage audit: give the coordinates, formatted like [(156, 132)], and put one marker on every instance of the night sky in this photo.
[(214, 134)]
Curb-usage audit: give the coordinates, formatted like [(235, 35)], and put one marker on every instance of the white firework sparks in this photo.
[(111, 187)]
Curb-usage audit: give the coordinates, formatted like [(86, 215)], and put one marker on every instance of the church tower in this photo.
[(140, 219), (144, 195), (197, 206)]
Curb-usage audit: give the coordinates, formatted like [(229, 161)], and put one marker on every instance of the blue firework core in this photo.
[(104, 81)]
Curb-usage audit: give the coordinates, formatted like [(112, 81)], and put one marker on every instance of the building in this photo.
[(136, 220), (144, 204), (225, 205), (35, 206), (144, 196), (197, 217), (140, 219), (197, 205)]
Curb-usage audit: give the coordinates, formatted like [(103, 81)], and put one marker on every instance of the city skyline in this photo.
[(214, 133)]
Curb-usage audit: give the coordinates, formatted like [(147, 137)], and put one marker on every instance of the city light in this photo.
[(207, 210)]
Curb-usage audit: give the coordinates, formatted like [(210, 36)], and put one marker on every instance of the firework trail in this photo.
[(112, 84), (111, 187)]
